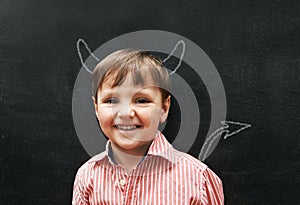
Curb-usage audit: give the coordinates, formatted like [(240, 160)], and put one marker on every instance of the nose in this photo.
[(125, 110)]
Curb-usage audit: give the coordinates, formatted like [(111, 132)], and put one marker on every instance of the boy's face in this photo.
[(129, 115)]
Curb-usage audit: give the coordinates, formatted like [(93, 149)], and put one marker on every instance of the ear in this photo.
[(96, 107), (165, 109)]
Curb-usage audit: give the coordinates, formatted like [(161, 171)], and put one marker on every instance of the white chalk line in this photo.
[(215, 135), (208, 142), (181, 56), (80, 56), (244, 126)]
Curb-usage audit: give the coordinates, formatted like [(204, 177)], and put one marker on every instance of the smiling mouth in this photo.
[(127, 127)]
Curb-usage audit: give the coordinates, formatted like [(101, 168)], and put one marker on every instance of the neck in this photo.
[(129, 159)]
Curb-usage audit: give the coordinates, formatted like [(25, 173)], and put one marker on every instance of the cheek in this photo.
[(151, 116), (105, 116)]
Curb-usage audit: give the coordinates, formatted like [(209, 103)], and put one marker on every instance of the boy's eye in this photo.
[(142, 100), (111, 101)]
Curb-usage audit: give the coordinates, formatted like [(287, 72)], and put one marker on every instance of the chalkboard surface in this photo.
[(254, 45)]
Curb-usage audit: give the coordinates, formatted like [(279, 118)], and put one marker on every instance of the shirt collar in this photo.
[(161, 147)]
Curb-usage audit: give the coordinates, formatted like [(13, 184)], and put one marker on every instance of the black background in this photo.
[(255, 46)]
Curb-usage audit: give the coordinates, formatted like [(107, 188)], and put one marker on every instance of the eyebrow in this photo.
[(143, 92), (140, 91), (106, 95)]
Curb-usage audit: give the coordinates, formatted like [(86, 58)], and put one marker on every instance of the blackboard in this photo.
[(254, 46)]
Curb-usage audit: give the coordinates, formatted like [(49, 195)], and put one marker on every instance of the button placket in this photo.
[(121, 179)]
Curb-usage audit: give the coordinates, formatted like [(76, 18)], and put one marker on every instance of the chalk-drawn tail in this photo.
[(213, 139)]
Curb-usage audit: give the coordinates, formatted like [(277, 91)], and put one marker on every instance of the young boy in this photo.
[(131, 97)]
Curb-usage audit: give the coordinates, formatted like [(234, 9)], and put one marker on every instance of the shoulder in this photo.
[(90, 165), (188, 160), (193, 164)]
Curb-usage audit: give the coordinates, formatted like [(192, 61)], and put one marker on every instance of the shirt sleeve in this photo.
[(212, 189), (80, 194)]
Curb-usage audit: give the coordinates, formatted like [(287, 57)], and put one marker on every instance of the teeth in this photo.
[(124, 127)]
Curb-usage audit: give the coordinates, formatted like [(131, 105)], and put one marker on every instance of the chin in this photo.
[(132, 145)]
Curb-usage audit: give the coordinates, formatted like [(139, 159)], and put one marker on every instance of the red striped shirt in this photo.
[(165, 177)]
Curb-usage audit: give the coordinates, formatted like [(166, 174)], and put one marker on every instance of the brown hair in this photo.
[(115, 67)]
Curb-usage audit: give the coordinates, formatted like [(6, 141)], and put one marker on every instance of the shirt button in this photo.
[(122, 182)]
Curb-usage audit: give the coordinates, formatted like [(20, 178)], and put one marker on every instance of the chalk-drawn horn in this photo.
[(181, 56), (80, 55)]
